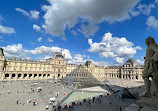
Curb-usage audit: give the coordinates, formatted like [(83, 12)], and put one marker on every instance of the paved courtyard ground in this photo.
[(8, 102), (22, 91)]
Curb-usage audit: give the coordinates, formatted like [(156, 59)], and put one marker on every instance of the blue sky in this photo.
[(105, 31)]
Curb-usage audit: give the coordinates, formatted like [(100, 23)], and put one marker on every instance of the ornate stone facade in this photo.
[(57, 68)]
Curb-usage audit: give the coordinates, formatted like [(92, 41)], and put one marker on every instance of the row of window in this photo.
[(51, 66), (27, 75), (32, 69), (36, 64), (80, 70), (77, 75), (129, 77)]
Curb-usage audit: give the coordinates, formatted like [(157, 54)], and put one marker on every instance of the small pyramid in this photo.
[(124, 93)]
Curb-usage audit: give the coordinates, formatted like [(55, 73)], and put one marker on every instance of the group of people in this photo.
[(71, 106), (28, 101), (19, 102)]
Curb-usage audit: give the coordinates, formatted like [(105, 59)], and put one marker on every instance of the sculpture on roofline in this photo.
[(150, 67), (1, 52)]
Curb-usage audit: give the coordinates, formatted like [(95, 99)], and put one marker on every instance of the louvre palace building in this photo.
[(57, 68)]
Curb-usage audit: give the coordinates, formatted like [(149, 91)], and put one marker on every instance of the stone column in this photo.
[(10, 75), (27, 76), (16, 76), (37, 76)]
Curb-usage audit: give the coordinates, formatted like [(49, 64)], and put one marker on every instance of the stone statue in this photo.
[(1, 52), (150, 67)]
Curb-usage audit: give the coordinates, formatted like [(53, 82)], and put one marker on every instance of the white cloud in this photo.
[(146, 9), (33, 14), (88, 30), (107, 54), (39, 39), (43, 50), (74, 32), (80, 59), (114, 47), (119, 60), (152, 22), (65, 13), (63, 38), (17, 50), (67, 54), (140, 62), (36, 27), (22, 11), (100, 63), (6, 30), (77, 59), (138, 48), (14, 50), (50, 40), (142, 9)]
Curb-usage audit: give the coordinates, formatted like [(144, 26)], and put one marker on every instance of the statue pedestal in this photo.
[(148, 104)]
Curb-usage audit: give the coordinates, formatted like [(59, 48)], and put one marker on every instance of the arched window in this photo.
[(136, 76), (35, 75), (13, 75), (7, 75), (39, 75), (25, 75), (19, 75), (30, 75)]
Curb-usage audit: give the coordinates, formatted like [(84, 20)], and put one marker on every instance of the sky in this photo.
[(108, 32)]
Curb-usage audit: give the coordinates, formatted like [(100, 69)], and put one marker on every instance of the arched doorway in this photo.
[(40, 75), (136, 76), (13, 75), (30, 75), (6, 76), (19, 75), (35, 75), (25, 75), (58, 75)]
